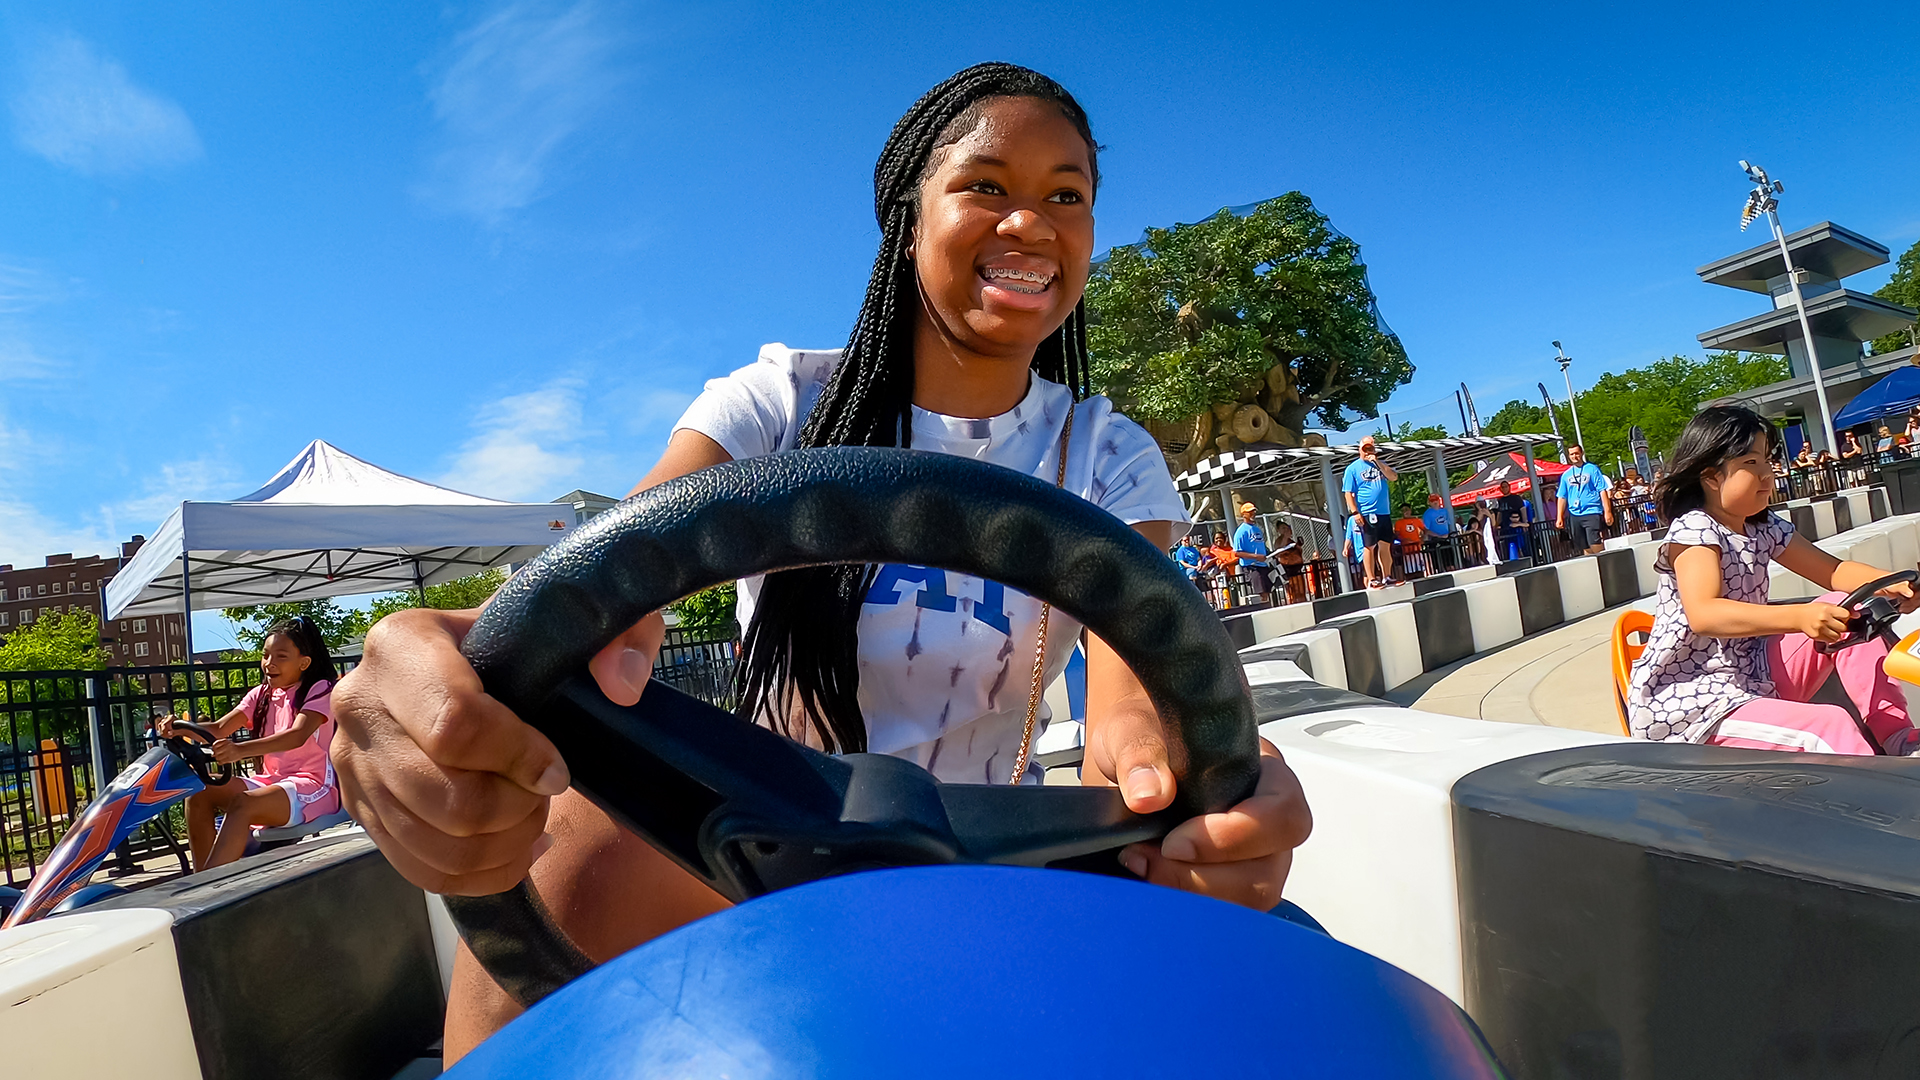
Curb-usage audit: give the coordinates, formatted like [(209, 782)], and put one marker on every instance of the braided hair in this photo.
[(799, 655)]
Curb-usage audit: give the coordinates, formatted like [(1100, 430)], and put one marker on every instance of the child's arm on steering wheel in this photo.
[(1817, 566), (1710, 613)]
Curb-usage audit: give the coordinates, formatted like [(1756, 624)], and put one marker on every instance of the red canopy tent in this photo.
[(1485, 484)]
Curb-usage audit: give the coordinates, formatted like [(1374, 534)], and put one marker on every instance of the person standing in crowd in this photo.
[(1583, 495), (1368, 497), (1220, 565), (1436, 521), (1408, 535), (1250, 546), (1512, 510), (1286, 553), (1189, 558)]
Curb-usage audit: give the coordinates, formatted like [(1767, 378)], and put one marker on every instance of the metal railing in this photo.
[(700, 661), (52, 723)]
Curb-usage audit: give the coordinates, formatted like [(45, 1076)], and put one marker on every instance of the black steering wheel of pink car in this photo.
[(1873, 615), (748, 811)]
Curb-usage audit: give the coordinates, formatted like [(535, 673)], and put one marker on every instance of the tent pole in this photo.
[(1539, 497), (186, 611), (419, 583)]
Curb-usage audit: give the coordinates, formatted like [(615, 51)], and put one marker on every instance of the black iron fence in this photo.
[(699, 661), (54, 723), (1819, 478)]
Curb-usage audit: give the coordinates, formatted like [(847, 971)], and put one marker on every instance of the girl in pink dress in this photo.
[(291, 716)]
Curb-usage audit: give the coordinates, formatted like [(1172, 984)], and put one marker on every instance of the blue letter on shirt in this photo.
[(933, 590)]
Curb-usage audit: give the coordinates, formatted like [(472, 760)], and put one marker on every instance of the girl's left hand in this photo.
[(1902, 596), (1240, 855), (226, 753)]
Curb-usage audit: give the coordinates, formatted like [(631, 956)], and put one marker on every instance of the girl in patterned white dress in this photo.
[(1721, 665)]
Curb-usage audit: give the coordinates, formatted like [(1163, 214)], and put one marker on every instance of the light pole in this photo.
[(1566, 362), (1761, 201)]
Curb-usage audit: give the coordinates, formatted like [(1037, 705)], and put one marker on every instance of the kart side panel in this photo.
[(308, 961), (94, 994), (1647, 909)]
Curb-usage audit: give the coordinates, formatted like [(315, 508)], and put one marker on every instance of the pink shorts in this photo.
[(307, 798)]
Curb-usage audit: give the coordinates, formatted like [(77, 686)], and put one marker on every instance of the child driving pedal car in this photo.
[(1721, 665), (290, 714)]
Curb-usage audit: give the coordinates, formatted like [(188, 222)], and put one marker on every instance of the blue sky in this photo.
[(500, 246)]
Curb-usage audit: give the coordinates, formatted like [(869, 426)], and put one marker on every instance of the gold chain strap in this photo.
[(1040, 644)]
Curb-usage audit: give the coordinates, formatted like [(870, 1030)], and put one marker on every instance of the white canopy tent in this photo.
[(329, 524)]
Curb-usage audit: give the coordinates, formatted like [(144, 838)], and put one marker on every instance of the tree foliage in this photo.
[(456, 595), (1903, 289), (1198, 315), (706, 609), (1660, 398), (69, 641), (338, 625)]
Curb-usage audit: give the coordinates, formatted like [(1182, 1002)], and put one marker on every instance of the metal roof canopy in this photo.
[(1265, 466), (1826, 249), (1842, 314)]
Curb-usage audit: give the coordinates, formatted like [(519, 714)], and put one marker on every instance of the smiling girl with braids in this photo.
[(971, 341)]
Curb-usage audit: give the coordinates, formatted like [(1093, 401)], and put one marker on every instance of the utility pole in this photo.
[(1761, 200), (1566, 362)]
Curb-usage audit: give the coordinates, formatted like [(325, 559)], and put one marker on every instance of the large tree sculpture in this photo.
[(1240, 330)]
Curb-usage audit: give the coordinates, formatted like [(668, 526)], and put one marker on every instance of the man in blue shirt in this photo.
[(1438, 524), (1365, 486), (1583, 492), (1188, 557), (1250, 545)]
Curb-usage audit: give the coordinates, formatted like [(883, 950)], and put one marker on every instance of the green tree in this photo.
[(709, 608), (55, 642), (1660, 398), (456, 595), (1903, 289), (338, 625), (1199, 315), (67, 642)]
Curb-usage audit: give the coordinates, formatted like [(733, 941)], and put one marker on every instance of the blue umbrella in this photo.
[(1896, 393)]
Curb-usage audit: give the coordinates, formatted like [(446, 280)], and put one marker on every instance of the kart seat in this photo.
[(304, 829), (1626, 649)]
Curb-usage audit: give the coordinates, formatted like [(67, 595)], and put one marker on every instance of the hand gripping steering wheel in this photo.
[(748, 811), (196, 755), (1873, 616)]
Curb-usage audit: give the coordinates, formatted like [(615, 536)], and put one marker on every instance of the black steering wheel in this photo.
[(182, 745), (748, 811), (1873, 616)]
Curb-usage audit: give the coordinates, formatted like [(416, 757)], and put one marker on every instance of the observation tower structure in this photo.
[(1840, 318)]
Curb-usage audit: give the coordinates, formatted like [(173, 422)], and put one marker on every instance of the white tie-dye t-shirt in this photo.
[(946, 659)]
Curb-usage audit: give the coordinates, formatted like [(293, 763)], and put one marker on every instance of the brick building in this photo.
[(68, 584)]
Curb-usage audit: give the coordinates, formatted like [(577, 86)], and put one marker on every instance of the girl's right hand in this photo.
[(450, 784), (1824, 622)]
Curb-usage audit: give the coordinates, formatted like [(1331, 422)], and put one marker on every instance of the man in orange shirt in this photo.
[(1409, 532)]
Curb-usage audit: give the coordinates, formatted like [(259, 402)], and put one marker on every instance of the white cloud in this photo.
[(79, 109), (524, 446), (175, 483), (511, 92)]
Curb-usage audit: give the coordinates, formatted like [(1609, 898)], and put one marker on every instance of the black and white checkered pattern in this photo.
[(1262, 466)]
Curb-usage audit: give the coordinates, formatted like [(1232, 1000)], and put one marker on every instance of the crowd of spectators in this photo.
[(1256, 565)]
